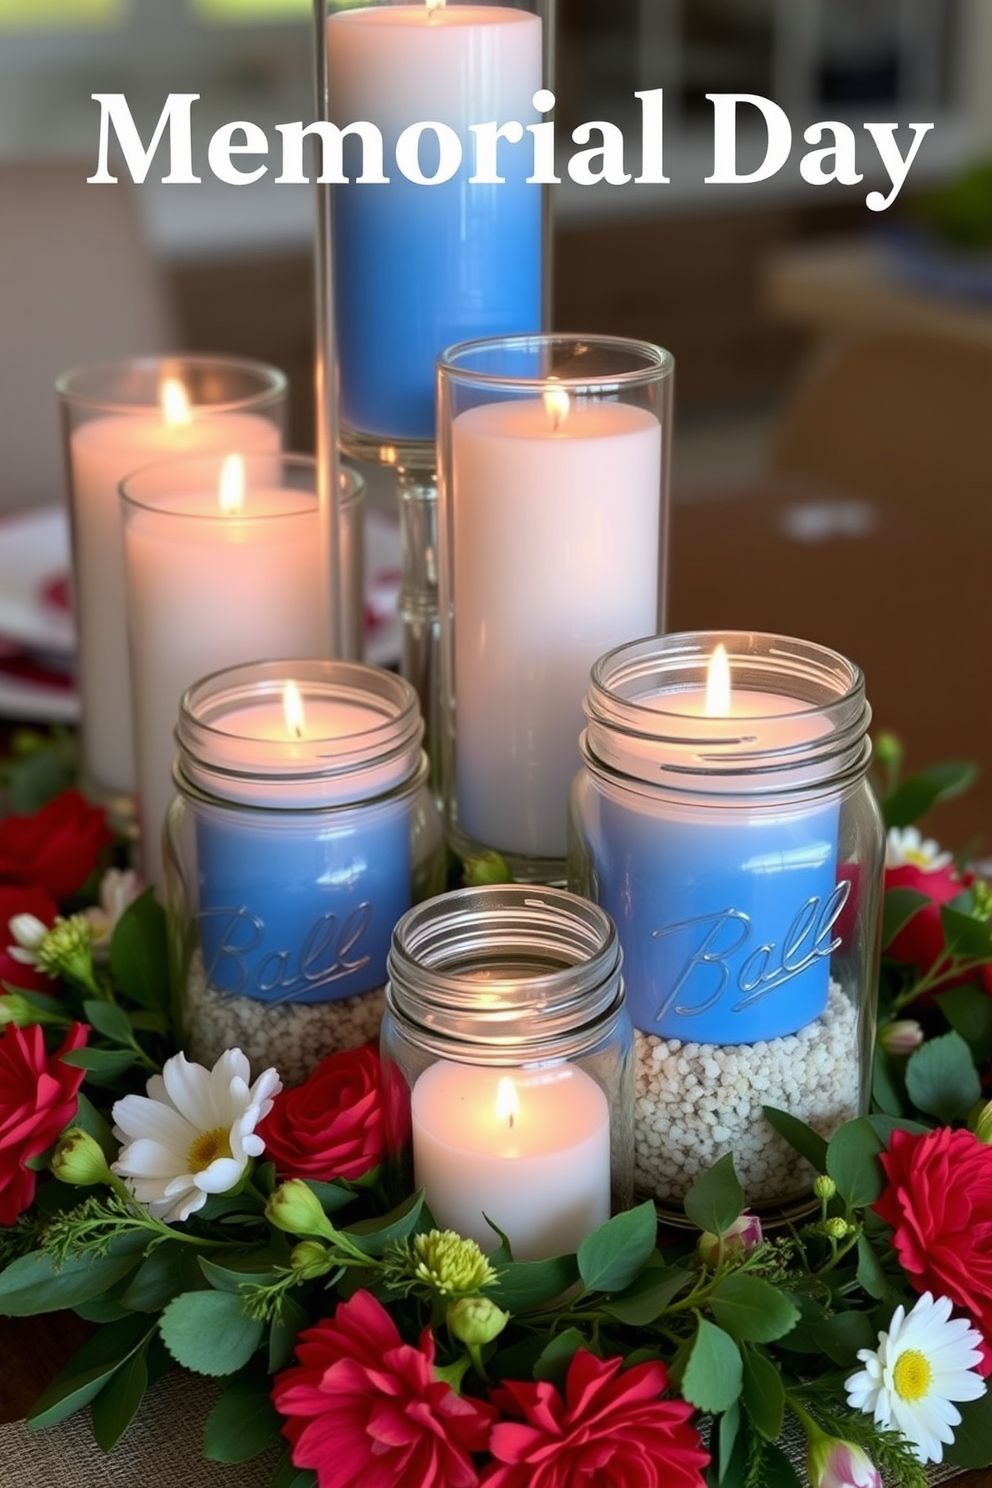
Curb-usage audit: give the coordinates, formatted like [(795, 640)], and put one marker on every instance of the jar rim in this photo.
[(816, 737), (516, 969), (647, 363)]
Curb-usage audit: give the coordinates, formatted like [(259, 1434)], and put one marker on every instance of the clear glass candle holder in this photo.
[(553, 514), (452, 241), (117, 416), (301, 830), (507, 1058), (223, 564), (723, 817)]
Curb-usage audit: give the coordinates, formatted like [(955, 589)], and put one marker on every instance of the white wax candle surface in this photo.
[(102, 451), (538, 1167), (555, 561), (207, 591)]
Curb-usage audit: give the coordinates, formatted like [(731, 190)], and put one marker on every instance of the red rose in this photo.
[(921, 939), (18, 899), (37, 1099), (55, 849), (939, 1204), (611, 1427), (364, 1407), (331, 1126)]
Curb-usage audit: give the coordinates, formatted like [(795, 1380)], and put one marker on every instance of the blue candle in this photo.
[(418, 267), (725, 895)]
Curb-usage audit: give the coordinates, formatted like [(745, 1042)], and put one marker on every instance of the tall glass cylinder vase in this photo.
[(431, 229), (117, 416), (553, 515)]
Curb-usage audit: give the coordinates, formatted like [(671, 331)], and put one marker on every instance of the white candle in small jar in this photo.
[(530, 1149), (555, 513), (102, 451), (208, 588)]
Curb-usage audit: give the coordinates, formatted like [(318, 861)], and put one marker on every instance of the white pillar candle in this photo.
[(208, 589), (102, 451), (555, 517), (530, 1149)]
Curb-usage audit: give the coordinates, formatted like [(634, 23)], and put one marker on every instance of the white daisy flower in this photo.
[(193, 1134), (922, 1363), (904, 845)]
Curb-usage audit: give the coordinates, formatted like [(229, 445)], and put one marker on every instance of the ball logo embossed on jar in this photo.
[(706, 961), (335, 949)]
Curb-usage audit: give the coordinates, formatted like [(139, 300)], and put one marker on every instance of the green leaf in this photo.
[(716, 1198), (524, 1285), (884, 1126), (727, 1428), (284, 1331), (288, 1476), (373, 1235), (972, 1445), (103, 1066), (764, 1394), (871, 1276), (776, 1469), (648, 1295), (964, 935), (842, 1335), (898, 908), (332, 1196), (852, 1162), (915, 797), (109, 1020), (969, 1012), (714, 1374), (257, 1267), (209, 1332), (752, 1310), (171, 1268), (243, 1423), (887, 1083), (89, 1369), (941, 1078), (118, 1402), (33, 1284), (139, 958), (807, 1142), (612, 1256), (555, 1358)]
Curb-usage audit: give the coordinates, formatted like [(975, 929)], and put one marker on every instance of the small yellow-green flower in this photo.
[(78, 1159), (64, 950), (449, 1264), (309, 1259), (295, 1207), (475, 1320)]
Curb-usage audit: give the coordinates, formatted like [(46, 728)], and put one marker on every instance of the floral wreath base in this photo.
[(214, 1220)]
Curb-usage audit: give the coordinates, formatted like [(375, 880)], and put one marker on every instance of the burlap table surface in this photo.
[(163, 1449)]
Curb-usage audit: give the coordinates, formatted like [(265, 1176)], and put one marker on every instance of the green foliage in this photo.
[(941, 1078)]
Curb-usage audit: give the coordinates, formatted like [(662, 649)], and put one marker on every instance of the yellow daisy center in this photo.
[(207, 1147), (912, 1375)]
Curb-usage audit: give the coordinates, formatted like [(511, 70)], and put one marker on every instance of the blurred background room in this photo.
[(834, 364)]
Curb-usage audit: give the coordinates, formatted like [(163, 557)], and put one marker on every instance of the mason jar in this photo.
[(508, 1062), (302, 829), (723, 818)]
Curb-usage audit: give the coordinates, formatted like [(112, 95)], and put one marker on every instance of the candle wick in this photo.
[(297, 731), (511, 1120)]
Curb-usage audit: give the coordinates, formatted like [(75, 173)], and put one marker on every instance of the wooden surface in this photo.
[(904, 598)]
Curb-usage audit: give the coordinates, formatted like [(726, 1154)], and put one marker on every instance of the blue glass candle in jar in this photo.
[(723, 818), (302, 830)]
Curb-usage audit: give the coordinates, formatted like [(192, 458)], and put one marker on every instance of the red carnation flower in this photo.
[(37, 1099), (921, 939), (331, 1126), (939, 1204), (612, 1428), (18, 899), (57, 848), (364, 1407)]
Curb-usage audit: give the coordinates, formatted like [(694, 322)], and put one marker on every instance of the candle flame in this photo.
[(718, 684), (231, 492), (507, 1101), (174, 402), (434, 5), (292, 708), (556, 405)]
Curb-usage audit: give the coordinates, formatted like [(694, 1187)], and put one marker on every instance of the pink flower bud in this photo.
[(901, 1037), (743, 1236), (840, 1464)]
